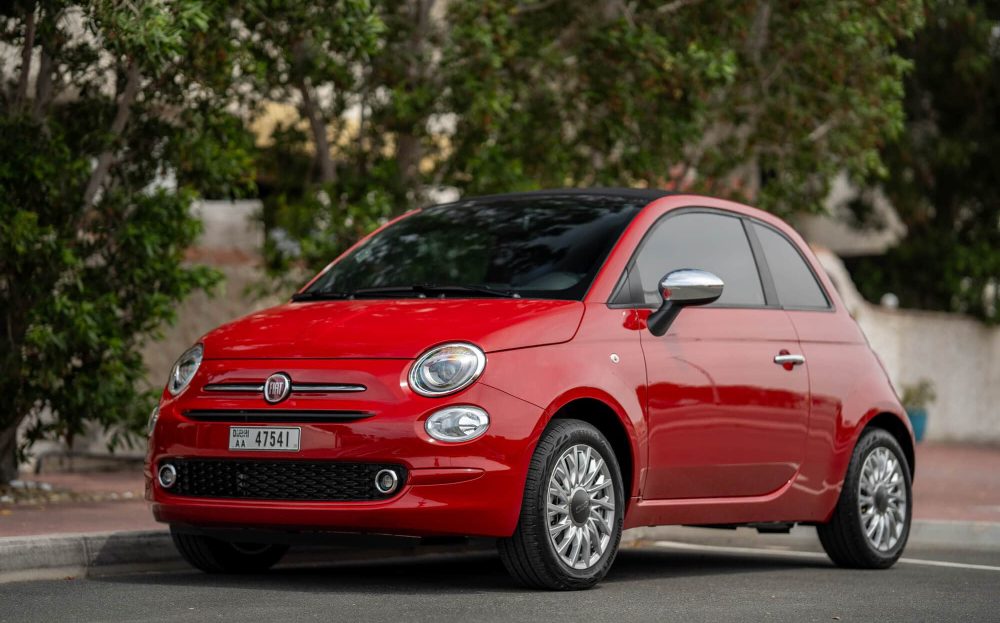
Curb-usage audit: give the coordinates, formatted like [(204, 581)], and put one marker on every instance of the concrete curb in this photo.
[(967, 534), (60, 556), (63, 555), (76, 555), (976, 535)]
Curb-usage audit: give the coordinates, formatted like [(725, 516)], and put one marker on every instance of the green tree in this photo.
[(760, 101), (943, 169), (109, 99), (316, 56)]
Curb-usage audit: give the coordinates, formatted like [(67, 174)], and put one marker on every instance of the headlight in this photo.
[(183, 371), (453, 424), (446, 369)]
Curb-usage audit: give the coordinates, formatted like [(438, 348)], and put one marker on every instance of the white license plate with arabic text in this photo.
[(284, 439)]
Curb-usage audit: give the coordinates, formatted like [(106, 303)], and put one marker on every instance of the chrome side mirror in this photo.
[(679, 289)]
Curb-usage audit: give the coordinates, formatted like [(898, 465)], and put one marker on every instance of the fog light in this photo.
[(455, 424), (167, 476), (386, 481)]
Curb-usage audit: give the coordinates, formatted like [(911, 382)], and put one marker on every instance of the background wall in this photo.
[(960, 355)]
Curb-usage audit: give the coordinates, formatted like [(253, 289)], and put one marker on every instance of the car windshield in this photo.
[(538, 247)]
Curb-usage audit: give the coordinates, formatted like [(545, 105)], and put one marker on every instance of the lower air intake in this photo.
[(280, 480)]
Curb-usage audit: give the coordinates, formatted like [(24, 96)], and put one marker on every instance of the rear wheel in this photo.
[(871, 523), (217, 556), (571, 516)]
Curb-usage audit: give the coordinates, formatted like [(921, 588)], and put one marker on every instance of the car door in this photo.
[(724, 419)]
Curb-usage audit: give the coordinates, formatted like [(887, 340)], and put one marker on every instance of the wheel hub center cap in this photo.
[(881, 500), (579, 506)]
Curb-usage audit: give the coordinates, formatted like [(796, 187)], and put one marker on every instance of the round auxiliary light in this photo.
[(386, 481), (446, 369), (167, 475), (457, 424)]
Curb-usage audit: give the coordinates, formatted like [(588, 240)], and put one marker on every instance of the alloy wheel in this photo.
[(581, 507), (882, 499)]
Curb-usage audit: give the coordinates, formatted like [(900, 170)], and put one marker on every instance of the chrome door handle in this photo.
[(794, 360)]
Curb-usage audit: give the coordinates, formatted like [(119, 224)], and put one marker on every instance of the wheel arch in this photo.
[(895, 426), (604, 417)]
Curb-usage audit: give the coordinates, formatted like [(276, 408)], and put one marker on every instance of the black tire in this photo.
[(529, 555), (217, 556), (844, 537)]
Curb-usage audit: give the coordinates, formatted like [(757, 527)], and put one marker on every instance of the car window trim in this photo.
[(619, 299), (757, 249), (763, 260)]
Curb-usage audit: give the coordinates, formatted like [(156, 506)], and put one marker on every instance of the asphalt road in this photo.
[(657, 581)]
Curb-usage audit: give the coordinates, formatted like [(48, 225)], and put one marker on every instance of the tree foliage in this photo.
[(760, 101), (104, 99), (108, 100), (943, 170)]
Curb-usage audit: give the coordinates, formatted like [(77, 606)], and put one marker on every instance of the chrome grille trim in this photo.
[(300, 388), (322, 388), (233, 387)]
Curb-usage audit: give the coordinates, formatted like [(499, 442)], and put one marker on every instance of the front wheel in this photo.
[(217, 556), (871, 523), (571, 516)]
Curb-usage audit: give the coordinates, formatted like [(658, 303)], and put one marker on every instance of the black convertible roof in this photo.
[(649, 194)]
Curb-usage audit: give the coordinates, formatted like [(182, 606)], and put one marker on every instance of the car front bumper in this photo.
[(472, 488)]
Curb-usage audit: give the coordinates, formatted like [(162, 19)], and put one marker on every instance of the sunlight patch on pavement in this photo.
[(726, 549)]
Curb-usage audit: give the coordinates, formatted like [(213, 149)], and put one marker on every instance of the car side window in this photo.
[(712, 242), (794, 281)]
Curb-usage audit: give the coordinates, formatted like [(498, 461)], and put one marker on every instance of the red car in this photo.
[(546, 368)]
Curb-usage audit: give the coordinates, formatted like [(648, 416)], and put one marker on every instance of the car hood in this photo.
[(392, 329)]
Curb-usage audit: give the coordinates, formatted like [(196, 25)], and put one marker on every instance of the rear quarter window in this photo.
[(794, 281)]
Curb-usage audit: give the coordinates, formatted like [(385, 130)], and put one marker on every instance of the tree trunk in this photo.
[(26, 51), (324, 162), (124, 110), (8, 454), (408, 155), (12, 412), (310, 109), (43, 85), (409, 151)]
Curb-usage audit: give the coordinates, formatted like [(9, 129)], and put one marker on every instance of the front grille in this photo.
[(280, 480), (252, 416)]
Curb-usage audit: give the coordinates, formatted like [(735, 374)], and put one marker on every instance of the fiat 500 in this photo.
[(549, 369)]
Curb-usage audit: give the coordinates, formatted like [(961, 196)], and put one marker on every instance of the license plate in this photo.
[(264, 438)]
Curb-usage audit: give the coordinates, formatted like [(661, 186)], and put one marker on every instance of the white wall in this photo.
[(960, 355), (832, 229)]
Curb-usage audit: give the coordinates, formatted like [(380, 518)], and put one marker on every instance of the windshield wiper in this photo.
[(479, 289), (319, 295), (430, 289)]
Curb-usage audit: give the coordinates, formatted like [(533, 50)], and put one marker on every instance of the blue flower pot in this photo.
[(918, 419)]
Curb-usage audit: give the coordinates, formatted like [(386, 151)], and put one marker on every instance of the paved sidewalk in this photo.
[(954, 482), (78, 503), (957, 482)]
